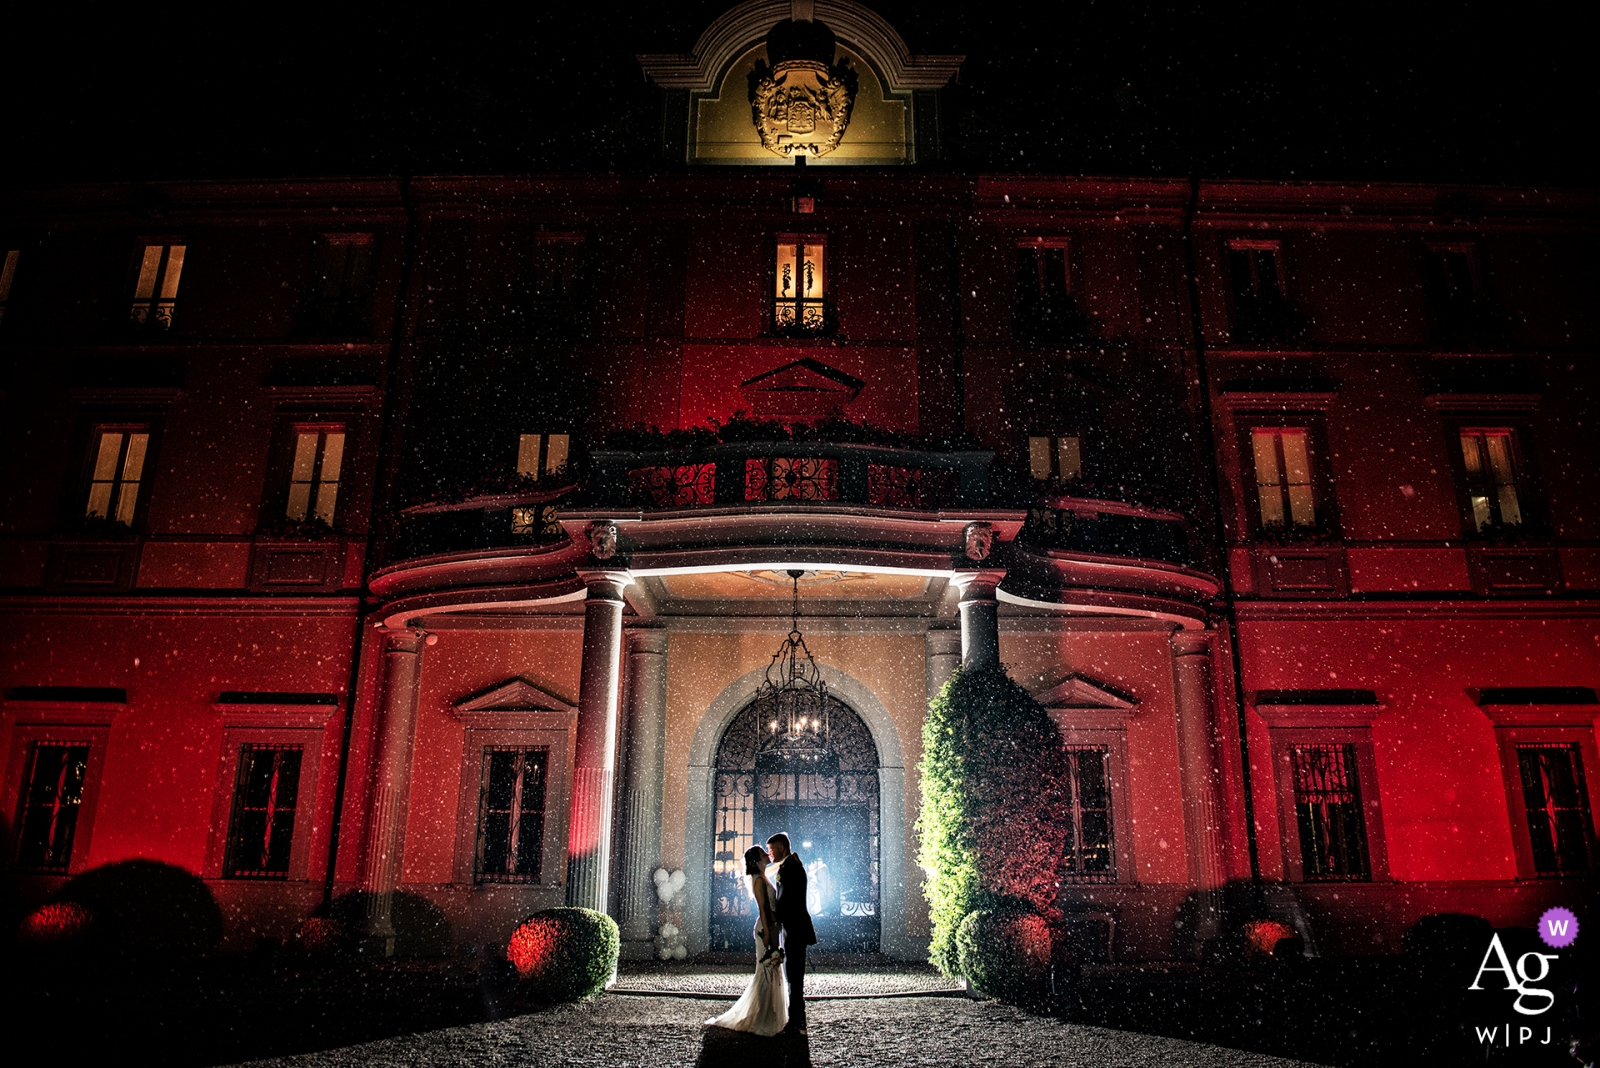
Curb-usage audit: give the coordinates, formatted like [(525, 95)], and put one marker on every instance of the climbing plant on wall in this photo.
[(995, 814)]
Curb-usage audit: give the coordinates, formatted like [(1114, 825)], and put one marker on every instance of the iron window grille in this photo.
[(266, 796), (1091, 852), (155, 290), (52, 796), (1327, 803), (1556, 800), (510, 847)]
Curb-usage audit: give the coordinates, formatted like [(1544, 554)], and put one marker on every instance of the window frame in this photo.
[(1032, 329), (798, 241), (288, 425), (267, 723), (152, 322), (349, 314), (1291, 725), (515, 714), (1104, 728), (1519, 725), (553, 319), (1055, 437), (76, 506), (1282, 295), (28, 722), (1319, 459), (1530, 498)]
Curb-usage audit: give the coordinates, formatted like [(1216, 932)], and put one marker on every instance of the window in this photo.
[(551, 282), (266, 794), (155, 293), (1090, 855), (1555, 798), (511, 814), (1044, 308), (8, 271), (1489, 463), (1327, 805), (542, 454), (314, 476), (52, 795), (799, 299), (341, 284), (1261, 309), (1054, 456), (1461, 308), (119, 463), (1284, 490)]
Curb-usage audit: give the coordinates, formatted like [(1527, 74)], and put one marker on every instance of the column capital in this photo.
[(607, 584), (979, 584), (1192, 642), (648, 640)]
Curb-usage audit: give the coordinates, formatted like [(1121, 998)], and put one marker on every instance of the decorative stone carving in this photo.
[(978, 542), (603, 540), (801, 103)]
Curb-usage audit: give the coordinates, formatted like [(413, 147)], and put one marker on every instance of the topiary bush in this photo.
[(565, 954), (995, 804), (1005, 952)]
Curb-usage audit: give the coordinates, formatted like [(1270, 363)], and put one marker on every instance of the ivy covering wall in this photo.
[(995, 814)]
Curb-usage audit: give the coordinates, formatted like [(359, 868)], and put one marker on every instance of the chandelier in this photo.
[(792, 701)]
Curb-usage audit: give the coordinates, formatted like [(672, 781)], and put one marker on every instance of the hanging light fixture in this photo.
[(793, 700)]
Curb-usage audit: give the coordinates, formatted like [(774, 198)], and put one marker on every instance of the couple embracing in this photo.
[(769, 1005)]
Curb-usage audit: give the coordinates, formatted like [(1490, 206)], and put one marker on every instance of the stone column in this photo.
[(647, 723), (391, 781), (980, 621), (943, 654), (589, 834), (1202, 776)]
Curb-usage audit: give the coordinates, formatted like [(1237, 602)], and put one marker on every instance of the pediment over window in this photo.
[(803, 387), (1080, 691), (513, 695)]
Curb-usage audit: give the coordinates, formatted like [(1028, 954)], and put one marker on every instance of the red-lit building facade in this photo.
[(359, 535)]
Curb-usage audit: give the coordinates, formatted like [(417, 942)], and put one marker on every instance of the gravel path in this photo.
[(622, 1032)]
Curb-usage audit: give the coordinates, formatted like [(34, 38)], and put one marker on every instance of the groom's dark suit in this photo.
[(795, 923)]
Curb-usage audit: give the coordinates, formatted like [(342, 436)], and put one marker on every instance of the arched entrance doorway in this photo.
[(830, 812)]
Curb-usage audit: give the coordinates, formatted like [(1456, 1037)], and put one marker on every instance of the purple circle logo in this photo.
[(1558, 927)]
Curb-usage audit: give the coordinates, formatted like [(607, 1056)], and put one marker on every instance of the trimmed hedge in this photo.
[(995, 804), (565, 954), (1005, 952)]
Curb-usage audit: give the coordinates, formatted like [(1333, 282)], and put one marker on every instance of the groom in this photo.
[(795, 924)]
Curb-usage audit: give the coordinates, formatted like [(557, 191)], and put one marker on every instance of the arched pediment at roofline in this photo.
[(745, 25)]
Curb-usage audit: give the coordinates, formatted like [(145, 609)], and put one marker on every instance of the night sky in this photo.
[(1501, 93)]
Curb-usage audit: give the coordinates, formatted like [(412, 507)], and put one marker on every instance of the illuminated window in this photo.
[(511, 814), (52, 794), (1488, 457), (1327, 805), (1090, 855), (266, 794), (1261, 309), (1284, 488), (1055, 456), (155, 293), (799, 299), (1556, 801), (314, 477), (1044, 308), (119, 464), (542, 453), (341, 284), (8, 271)]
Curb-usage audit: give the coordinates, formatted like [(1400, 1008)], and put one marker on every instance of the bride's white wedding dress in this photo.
[(763, 1008)]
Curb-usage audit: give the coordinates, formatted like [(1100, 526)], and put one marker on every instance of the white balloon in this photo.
[(679, 953)]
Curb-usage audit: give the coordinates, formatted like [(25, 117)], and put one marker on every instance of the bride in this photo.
[(763, 1008)]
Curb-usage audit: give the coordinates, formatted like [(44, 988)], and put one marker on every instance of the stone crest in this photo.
[(801, 103)]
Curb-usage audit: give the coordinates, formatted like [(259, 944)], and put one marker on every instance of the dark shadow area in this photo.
[(146, 909), (721, 1048), (420, 928)]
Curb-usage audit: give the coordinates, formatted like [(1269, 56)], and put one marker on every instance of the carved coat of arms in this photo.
[(802, 105)]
